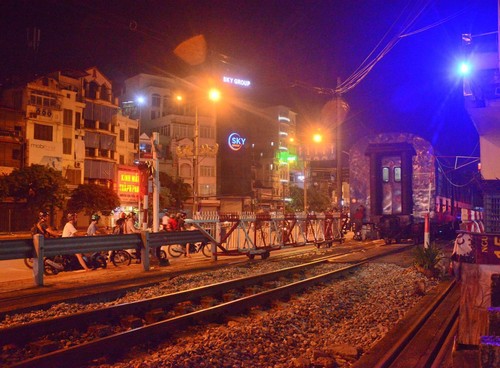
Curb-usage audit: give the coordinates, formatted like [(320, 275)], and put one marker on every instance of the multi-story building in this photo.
[(172, 108), (69, 120), (51, 106)]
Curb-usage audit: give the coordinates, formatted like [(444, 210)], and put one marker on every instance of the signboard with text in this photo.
[(128, 185)]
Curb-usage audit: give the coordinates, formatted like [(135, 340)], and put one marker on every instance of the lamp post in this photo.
[(214, 95), (139, 100), (317, 138), (156, 182)]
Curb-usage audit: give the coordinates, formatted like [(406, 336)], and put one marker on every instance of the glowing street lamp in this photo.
[(316, 138), (464, 68), (214, 95)]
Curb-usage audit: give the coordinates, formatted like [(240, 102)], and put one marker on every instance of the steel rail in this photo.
[(114, 343), (419, 344)]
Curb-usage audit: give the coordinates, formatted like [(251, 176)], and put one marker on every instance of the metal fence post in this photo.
[(145, 250), (38, 258)]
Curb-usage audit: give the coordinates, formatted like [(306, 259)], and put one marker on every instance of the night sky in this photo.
[(293, 51)]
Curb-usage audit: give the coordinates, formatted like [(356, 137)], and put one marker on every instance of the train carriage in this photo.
[(396, 177)]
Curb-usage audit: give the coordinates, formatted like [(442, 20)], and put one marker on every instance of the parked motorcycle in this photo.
[(56, 264)]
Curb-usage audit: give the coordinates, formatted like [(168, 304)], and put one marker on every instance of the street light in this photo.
[(140, 101), (214, 95), (316, 138)]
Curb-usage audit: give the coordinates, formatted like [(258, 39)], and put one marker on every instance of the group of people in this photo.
[(42, 227), (125, 224)]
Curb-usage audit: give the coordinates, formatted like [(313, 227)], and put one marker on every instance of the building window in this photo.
[(207, 132), (43, 132), (185, 171), (16, 154), (182, 131), (207, 190), (122, 160), (207, 171), (78, 120), (67, 145), (132, 135), (103, 126), (122, 135), (68, 117), (155, 100)]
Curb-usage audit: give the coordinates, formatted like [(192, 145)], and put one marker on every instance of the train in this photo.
[(399, 180)]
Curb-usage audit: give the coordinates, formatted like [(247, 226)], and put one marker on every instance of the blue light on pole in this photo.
[(464, 68)]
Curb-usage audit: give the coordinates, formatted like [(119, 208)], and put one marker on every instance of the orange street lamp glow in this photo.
[(317, 138), (214, 94), (178, 98)]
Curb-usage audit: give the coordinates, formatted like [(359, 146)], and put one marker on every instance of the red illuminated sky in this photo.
[(275, 44)]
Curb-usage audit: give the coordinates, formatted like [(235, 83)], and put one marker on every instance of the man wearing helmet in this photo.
[(92, 229), (70, 231), (42, 226)]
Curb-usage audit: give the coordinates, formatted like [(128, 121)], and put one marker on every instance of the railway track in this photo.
[(92, 335), (124, 279), (422, 340), (109, 329)]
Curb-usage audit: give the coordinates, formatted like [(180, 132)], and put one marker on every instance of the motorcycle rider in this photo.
[(92, 229), (42, 227), (70, 231)]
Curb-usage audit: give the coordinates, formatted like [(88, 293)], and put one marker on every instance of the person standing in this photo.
[(70, 230)]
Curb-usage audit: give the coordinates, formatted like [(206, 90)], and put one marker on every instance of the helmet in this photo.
[(42, 214), (71, 216), (95, 217)]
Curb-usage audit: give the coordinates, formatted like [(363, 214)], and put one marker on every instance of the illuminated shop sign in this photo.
[(128, 184), (236, 81), (235, 141)]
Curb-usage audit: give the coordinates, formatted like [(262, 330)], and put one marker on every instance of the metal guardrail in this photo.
[(229, 233), (38, 248)]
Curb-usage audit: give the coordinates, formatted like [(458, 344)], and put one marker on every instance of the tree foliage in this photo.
[(316, 199), (40, 187), (93, 198), (174, 191)]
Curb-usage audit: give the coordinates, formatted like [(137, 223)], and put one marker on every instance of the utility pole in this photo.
[(156, 182), (195, 162), (339, 148)]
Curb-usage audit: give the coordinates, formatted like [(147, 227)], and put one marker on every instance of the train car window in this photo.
[(385, 174), (397, 174)]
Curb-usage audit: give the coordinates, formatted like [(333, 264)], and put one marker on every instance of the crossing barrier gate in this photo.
[(260, 233)]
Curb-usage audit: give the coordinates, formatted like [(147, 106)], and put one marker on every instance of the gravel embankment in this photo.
[(329, 326)]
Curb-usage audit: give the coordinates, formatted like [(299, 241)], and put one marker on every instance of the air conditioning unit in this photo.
[(38, 111), (44, 112), (33, 115), (77, 165)]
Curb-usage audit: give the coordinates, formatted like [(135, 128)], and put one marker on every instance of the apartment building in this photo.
[(70, 121), (173, 108)]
